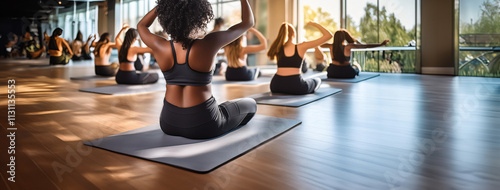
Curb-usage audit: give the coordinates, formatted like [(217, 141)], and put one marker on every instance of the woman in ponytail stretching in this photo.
[(289, 55)]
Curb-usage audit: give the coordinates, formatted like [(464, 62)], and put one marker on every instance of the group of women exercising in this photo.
[(187, 61), (61, 52)]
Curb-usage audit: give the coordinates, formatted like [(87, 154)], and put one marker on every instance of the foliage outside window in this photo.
[(479, 28), (370, 21)]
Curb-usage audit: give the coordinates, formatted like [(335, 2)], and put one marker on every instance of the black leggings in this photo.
[(60, 60), (241, 74), (218, 66), (206, 120), (77, 58), (320, 66), (336, 71), (85, 55), (139, 63), (132, 77), (305, 66), (293, 84), (105, 70)]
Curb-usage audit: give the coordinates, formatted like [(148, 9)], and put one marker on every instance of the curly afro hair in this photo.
[(182, 19)]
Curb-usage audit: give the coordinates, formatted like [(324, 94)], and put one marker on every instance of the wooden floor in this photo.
[(396, 131)]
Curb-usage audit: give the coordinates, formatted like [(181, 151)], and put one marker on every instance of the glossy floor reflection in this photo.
[(396, 131)]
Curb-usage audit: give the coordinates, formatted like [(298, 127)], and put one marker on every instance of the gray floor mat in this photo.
[(362, 77), (278, 99), (202, 156), (121, 89)]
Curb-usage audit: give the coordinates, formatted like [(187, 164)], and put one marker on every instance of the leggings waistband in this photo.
[(173, 108)]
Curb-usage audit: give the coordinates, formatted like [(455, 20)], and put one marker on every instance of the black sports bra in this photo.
[(294, 61), (340, 57), (127, 61), (182, 74)]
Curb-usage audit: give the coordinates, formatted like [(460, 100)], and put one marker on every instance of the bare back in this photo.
[(76, 46), (289, 50), (201, 56), (186, 96), (60, 46), (104, 54)]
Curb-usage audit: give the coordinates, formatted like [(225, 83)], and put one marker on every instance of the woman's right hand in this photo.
[(385, 42)]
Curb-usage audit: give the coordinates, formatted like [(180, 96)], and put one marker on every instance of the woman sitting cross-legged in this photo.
[(127, 55), (237, 57), (189, 109), (289, 55), (102, 53), (57, 49), (341, 54)]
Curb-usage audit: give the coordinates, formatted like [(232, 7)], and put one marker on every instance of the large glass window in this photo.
[(372, 21), (229, 10), (72, 21), (326, 13), (479, 38)]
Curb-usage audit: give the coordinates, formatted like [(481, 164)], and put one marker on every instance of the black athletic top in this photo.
[(126, 59), (182, 74), (294, 61), (340, 57)]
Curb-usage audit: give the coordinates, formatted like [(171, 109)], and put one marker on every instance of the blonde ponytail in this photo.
[(279, 42), (233, 51)]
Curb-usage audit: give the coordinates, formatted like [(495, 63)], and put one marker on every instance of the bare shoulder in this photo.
[(206, 43)]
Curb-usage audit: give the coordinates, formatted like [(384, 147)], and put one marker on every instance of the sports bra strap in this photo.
[(173, 51), (189, 50)]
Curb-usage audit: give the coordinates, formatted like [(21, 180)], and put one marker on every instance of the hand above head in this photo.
[(125, 25), (311, 23), (385, 42)]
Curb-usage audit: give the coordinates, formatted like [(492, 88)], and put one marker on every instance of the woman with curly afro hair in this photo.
[(189, 109)]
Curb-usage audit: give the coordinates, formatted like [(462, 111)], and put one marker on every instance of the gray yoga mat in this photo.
[(278, 99), (258, 81), (362, 77), (122, 89), (263, 79), (92, 77), (150, 143)]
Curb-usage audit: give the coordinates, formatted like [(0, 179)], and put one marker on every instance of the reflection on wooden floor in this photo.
[(395, 131)]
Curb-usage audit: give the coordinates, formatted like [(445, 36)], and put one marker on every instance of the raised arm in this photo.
[(150, 39), (352, 46), (90, 41), (327, 35), (256, 48), (326, 45), (118, 39), (140, 50), (318, 54), (47, 38), (222, 38), (67, 46)]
